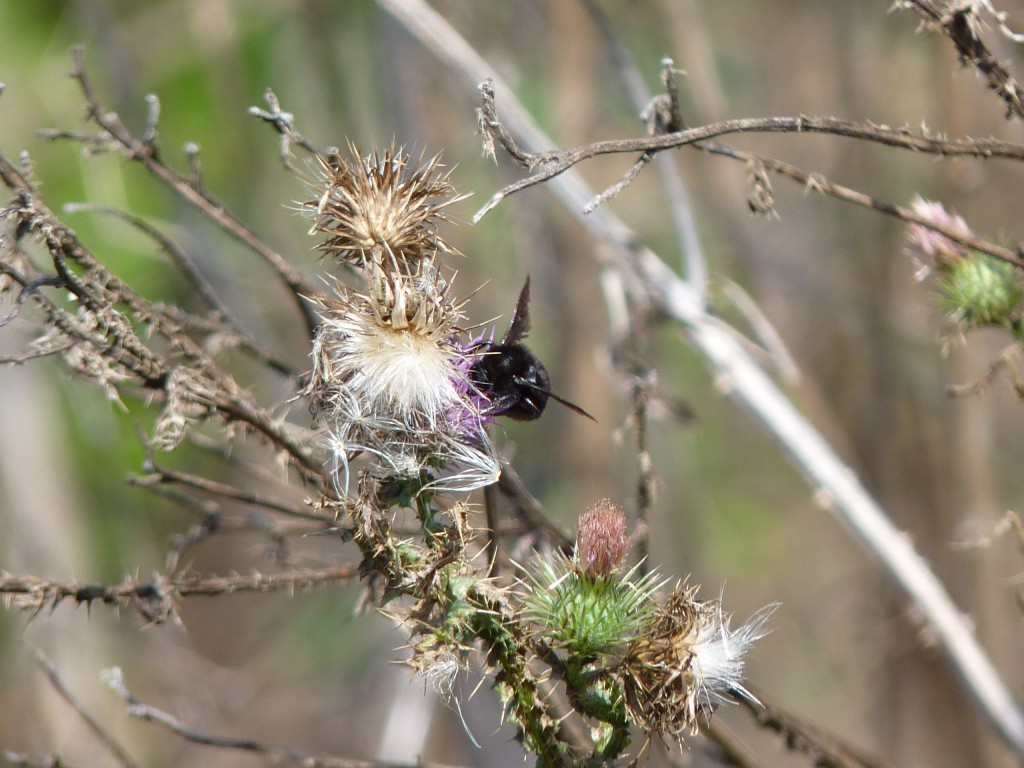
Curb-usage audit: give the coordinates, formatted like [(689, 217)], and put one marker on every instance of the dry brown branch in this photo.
[(144, 152), (110, 350), (108, 741), (961, 22), (272, 752), (553, 163), (826, 749), (547, 165), (818, 183), (155, 599)]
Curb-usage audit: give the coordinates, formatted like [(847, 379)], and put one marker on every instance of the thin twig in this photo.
[(195, 278), (272, 752), (1005, 360), (646, 480), (527, 508), (764, 331), (21, 760), (817, 183), (210, 207), (551, 163), (155, 599), (64, 692), (554, 163), (826, 749), (677, 195), (162, 476)]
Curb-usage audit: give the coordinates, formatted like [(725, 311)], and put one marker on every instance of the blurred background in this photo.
[(310, 670)]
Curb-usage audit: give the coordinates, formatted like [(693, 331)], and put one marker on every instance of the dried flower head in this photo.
[(438, 664), (938, 250), (374, 207), (601, 540), (391, 380), (687, 663)]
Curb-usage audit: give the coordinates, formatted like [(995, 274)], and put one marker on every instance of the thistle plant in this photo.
[(390, 376), (398, 476), (687, 663), (392, 382), (584, 603), (975, 288), (403, 396), (629, 659)]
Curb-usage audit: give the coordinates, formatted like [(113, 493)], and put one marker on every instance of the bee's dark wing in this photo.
[(520, 325)]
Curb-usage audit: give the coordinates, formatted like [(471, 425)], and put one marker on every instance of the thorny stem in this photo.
[(960, 22), (102, 291), (516, 685), (36, 594)]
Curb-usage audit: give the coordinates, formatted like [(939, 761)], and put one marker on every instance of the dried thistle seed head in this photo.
[(601, 540), (390, 380), (438, 665), (687, 663), (391, 348), (374, 207), (937, 250)]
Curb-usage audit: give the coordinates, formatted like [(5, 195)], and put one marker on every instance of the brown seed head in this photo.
[(660, 673), (375, 207)]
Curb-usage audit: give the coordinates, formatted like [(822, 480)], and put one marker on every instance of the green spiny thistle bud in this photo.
[(582, 603), (981, 290)]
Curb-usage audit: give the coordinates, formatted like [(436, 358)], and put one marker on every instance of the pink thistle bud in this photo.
[(601, 541), (938, 250)]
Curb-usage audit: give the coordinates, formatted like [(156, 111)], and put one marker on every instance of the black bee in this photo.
[(511, 377)]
